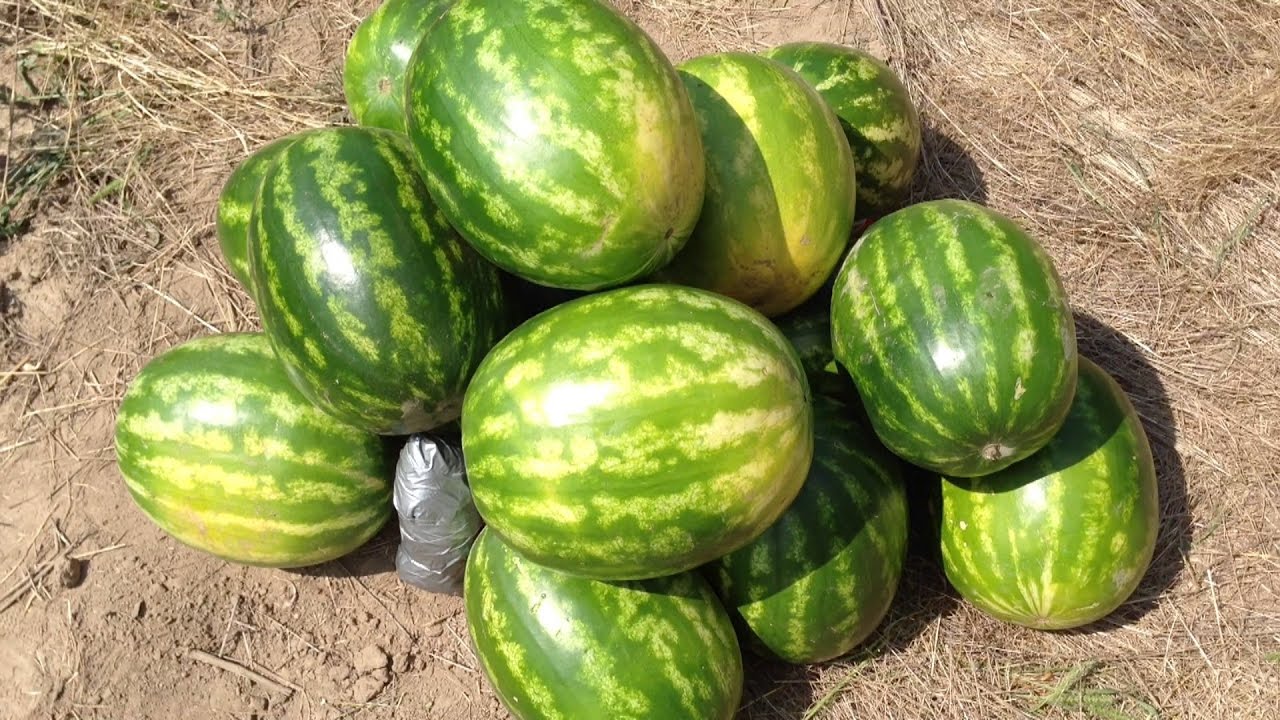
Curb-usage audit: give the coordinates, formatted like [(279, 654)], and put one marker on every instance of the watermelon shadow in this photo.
[(726, 135), (1127, 362), (946, 170)]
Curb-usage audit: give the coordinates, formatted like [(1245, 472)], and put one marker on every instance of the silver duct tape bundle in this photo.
[(438, 519)]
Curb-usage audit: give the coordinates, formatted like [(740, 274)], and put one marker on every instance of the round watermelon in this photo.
[(222, 452), (558, 646), (379, 311), (780, 185), (557, 139), (637, 432), (822, 577), (235, 206), (955, 327), (1062, 538), (876, 112), (373, 75)]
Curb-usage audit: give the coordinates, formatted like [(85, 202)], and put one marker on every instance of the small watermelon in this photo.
[(557, 646), (956, 329), (379, 311), (221, 451), (1062, 538)]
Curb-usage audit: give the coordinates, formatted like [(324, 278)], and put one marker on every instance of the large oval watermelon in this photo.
[(637, 432), (559, 647), (373, 74), (821, 578), (876, 112), (557, 138), (1062, 538), (780, 184), (221, 451), (379, 311), (957, 331), (235, 206)]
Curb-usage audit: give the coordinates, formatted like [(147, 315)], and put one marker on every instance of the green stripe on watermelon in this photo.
[(557, 138), (378, 58), (821, 578), (780, 185), (955, 327), (875, 110), (235, 207), (558, 647), (379, 311), (1062, 538), (637, 432), (222, 452)]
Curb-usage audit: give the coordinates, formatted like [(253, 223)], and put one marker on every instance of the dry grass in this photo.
[(1139, 141)]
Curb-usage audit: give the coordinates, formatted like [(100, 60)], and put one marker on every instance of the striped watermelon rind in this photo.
[(765, 237), (557, 646), (957, 331), (235, 207), (557, 138), (377, 60), (219, 449), (875, 109), (637, 432), (821, 578), (1064, 537), (378, 310)]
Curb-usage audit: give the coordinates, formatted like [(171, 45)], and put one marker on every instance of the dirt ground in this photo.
[(1140, 142)]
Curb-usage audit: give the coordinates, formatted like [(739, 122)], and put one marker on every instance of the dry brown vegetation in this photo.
[(1139, 141)]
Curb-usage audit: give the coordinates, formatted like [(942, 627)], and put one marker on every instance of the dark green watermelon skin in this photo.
[(378, 310), (957, 332), (875, 110), (559, 647), (822, 577), (235, 206), (378, 58), (1062, 538), (222, 452), (558, 139)]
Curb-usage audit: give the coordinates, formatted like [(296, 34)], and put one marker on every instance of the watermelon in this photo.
[(235, 205), (955, 327), (1062, 538), (379, 311), (822, 577), (219, 449), (876, 112), (557, 138), (780, 185), (561, 647), (373, 74), (637, 432)]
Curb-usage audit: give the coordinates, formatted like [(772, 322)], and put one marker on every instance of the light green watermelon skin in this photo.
[(235, 206), (779, 203), (1063, 538), (821, 578), (558, 139), (875, 109), (559, 647), (379, 311), (377, 60), (219, 449), (957, 332), (637, 432)]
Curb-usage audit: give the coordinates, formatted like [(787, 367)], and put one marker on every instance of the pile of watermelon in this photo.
[(699, 349)]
